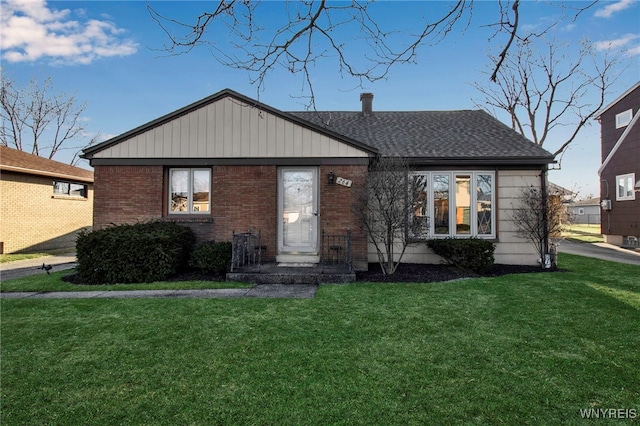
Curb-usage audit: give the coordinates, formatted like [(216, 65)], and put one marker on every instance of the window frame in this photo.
[(624, 118), (453, 198), (190, 184), (70, 191), (629, 182)]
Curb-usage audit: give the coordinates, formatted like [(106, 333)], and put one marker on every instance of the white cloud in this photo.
[(611, 8), (625, 43), (32, 31), (628, 44)]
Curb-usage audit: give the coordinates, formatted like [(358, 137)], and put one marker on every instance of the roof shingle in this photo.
[(22, 162), (445, 135)]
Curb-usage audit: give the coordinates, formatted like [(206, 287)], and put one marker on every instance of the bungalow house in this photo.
[(44, 203), (229, 163), (620, 169), (585, 212)]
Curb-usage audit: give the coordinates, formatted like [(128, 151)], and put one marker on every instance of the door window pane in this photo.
[(299, 210)]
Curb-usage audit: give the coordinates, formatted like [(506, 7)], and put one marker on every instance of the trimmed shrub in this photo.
[(211, 256), (468, 253), (144, 252)]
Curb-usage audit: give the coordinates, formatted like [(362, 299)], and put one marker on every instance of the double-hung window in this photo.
[(189, 191), (624, 187), (451, 204)]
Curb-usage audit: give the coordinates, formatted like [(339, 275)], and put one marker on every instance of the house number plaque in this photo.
[(344, 182)]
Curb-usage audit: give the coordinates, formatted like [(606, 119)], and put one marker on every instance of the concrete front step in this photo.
[(274, 274)]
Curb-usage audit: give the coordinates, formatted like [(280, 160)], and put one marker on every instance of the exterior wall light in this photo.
[(331, 178)]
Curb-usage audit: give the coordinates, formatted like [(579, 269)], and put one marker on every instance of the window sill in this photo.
[(189, 218), (68, 197), (416, 240)]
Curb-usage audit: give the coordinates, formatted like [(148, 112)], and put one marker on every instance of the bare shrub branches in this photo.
[(383, 209)]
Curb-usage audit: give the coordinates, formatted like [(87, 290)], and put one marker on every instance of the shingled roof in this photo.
[(12, 160), (470, 136)]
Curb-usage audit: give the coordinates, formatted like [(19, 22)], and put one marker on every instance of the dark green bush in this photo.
[(211, 256), (468, 253), (144, 252)]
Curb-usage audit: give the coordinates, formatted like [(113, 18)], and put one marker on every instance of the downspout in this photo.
[(544, 244)]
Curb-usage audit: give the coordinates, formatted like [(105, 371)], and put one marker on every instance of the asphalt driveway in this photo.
[(602, 251)]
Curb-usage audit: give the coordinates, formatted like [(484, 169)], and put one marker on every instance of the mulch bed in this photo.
[(406, 272)]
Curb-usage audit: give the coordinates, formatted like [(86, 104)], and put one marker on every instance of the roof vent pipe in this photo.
[(367, 103)]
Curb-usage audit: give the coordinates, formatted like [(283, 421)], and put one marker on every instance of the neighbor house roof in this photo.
[(587, 202), (470, 136), (618, 99), (13, 160)]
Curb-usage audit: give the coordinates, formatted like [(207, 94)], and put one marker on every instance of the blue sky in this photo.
[(107, 53)]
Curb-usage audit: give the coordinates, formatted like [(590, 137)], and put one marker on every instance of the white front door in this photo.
[(298, 211)]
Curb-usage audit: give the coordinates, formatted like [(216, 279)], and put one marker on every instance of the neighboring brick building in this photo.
[(44, 203), (229, 163), (620, 169)]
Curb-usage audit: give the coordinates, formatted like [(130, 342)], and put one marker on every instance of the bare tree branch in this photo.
[(542, 88), (39, 121), (362, 44)]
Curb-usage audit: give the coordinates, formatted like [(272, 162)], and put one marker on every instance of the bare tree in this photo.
[(542, 88), (41, 122), (383, 208), (364, 45), (540, 218)]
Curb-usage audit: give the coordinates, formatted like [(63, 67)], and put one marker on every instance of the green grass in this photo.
[(53, 282), (6, 258), (583, 233), (519, 349)]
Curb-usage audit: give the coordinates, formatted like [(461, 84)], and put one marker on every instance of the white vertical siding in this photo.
[(228, 128)]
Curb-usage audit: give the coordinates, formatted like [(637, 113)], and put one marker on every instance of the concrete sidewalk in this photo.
[(24, 268), (270, 291)]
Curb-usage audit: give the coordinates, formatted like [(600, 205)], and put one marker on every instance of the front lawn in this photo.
[(583, 233), (518, 349)]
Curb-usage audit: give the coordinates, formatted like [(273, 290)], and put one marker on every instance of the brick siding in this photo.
[(242, 197), (127, 194), (32, 219)]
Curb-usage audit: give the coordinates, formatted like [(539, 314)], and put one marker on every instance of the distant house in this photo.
[(44, 203), (229, 163), (585, 212), (620, 169)]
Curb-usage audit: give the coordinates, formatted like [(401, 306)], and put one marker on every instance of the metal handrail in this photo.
[(246, 249), (336, 250)]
